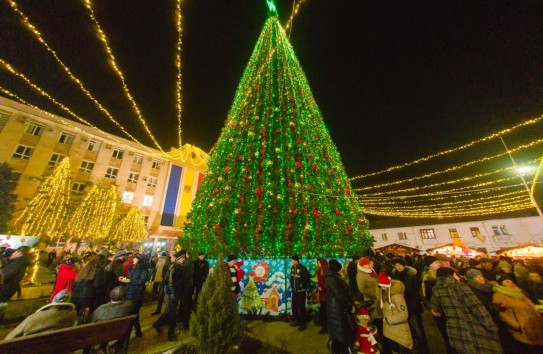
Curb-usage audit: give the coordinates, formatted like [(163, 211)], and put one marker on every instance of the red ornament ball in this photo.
[(298, 164), (349, 228)]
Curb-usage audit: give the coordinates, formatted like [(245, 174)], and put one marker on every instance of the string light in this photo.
[(536, 176), (39, 37), (47, 212), (69, 124), (102, 36), (45, 94), (463, 179), (195, 155), (131, 228), (454, 168), (459, 148), (295, 9), (93, 218), (178, 65)]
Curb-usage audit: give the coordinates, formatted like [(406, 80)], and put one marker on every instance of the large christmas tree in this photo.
[(275, 183)]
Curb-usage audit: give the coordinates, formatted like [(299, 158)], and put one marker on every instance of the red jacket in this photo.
[(65, 279)]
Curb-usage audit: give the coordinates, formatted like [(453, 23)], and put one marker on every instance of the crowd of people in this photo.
[(375, 304), (367, 305)]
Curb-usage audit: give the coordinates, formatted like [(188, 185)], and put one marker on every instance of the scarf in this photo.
[(515, 293), (485, 288)]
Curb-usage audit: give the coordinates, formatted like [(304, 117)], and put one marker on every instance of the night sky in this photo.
[(395, 80)]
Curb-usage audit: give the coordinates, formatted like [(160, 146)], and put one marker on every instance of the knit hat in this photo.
[(441, 257), (444, 271), (473, 273), (364, 261), (334, 266), (473, 262), (399, 261), (164, 254), (429, 260), (384, 280), (103, 252), (504, 264), (363, 314), (296, 258), (117, 294), (231, 257), (180, 254), (72, 260), (119, 253), (501, 277), (63, 296)]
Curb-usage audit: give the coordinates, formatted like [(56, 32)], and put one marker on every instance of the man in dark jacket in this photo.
[(299, 280), (185, 302), (173, 288), (339, 305), (12, 274), (408, 276), (351, 274), (201, 270)]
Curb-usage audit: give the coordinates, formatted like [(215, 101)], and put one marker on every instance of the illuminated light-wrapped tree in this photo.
[(275, 184), (131, 228), (47, 213), (93, 218)]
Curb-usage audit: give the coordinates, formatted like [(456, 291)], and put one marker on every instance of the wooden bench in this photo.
[(67, 340)]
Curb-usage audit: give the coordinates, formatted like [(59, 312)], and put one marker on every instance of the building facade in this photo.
[(33, 142), (491, 235)]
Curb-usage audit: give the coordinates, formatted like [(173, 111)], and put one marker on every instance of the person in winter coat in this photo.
[(392, 308), (524, 323), (161, 294), (185, 302), (338, 309), (482, 288), (87, 284), (65, 277), (409, 277), (114, 270), (470, 327), (11, 274), (60, 313), (299, 280), (322, 267), (159, 271), (135, 286), (201, 271), (173, 287)]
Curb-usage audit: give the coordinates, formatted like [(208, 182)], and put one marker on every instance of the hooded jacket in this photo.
[(412, 284), (65, 279), (392, 308)]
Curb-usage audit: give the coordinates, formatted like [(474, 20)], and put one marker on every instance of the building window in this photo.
[(117, 154), (475, 232), (427, 234), (17, 175), (4, 117), (23, 152), (402, 236), (147, 201), (78, 187), (55, 159), (133, 177), (156, 165), (500, 230), (112, 172), (66, 138), (138, 159), (454, 233), (128, 197), (384, 237), (152, 181), (86, 166), (93, 146), (35, 129)]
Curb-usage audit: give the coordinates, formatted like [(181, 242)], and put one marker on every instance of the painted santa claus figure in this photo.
[(366, 334)]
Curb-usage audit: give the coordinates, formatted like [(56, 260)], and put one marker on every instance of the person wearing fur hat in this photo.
[(299, 280), (470, 328), (135, 286), (366, 334), (523, 322), (322, 267), (392, 309), (339, 307), (409, 277), (60, 313)]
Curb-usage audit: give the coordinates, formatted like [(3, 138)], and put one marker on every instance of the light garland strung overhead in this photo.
[(459, 148), (102, 36), (179, 19), (295, 9)]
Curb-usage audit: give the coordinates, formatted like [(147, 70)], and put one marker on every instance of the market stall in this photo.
[(397, 249), (455, 250), (528, 251)]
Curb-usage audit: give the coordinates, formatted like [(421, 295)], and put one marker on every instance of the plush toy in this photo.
[(366, 334)]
